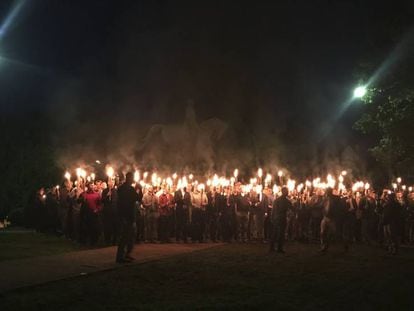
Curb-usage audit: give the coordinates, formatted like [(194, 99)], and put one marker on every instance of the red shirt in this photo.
[(164, 202), (93, 201)]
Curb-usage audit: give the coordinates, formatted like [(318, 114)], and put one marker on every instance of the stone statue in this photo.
[(189, 143)]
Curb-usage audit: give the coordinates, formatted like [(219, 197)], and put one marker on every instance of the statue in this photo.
[(190, 143)]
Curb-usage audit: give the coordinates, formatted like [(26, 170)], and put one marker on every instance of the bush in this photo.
[(16, 217)]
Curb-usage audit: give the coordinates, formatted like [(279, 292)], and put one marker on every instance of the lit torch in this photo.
[(268, 179), (280, 175), (136, 176), (110, 172), (67, 176), (260, 174), (236, 174)]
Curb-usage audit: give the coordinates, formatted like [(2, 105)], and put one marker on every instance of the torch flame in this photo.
[(110, 172), (136, 176), (67, 175)]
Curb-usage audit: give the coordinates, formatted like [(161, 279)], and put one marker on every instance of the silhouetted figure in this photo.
[(127, 198), (279, 213)]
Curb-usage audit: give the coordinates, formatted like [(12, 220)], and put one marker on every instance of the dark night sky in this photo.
[(277, 67)]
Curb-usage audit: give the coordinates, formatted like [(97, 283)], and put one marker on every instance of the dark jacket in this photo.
[(127, 197), (280, 208)]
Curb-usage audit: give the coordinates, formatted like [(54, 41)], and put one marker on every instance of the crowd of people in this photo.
[(92, 212)]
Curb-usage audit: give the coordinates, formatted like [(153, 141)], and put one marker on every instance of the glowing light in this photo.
[(360, 91), (93, 176), (410, 189), (98, 162), (291, 184), (145, 175), (330, 181), (280, 173), (394, 185), (67, 175), (236, 173), (154, 178), (356, 186), (190, 177), (367, 186), (11, 17), (184, 182), (343, 173), (404, 187), (268, 178), (136, 176), (215, 181), (174, 176), (399, 180), (80, 173), (110, 172), (341, 178)]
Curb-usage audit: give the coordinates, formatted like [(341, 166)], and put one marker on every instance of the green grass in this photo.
[(238, 277), (20, 244)]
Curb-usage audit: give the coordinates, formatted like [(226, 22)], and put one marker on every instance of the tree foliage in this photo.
[(27, 160), (390, 120)]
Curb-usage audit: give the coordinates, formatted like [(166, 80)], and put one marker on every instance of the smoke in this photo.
[(127, 106)]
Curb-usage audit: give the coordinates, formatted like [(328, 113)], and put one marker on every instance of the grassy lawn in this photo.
[(20, 244), (238, 277)]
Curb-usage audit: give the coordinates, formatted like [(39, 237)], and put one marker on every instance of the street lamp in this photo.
[(360, 91)]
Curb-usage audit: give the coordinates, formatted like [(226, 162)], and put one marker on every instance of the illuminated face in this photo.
[(68, 184)]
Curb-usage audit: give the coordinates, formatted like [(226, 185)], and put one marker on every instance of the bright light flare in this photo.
[(360, 92)]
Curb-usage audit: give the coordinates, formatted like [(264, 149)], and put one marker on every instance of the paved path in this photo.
[(33, 271)]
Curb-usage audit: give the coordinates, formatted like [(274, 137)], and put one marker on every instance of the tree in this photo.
[(390, 120), (27, 160)]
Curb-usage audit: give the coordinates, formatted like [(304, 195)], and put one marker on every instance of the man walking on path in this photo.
[(127, 197)]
